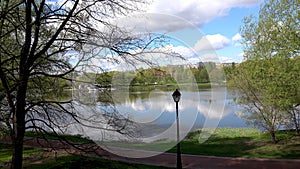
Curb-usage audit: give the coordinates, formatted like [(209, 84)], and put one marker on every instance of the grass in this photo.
[(230, 142), (81, 162), (242, 142), (37, 159), (6, 152), (159, 146), (71, 138)]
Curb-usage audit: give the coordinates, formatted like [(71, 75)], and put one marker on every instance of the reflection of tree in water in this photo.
[(87, 97), (105, 97)]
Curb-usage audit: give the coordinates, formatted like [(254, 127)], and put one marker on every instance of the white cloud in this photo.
[(225, 59), (236, 37), (194, 11), (230, 59), (210, 57), (212, 42), (194, 60), (183, 51), (241, 55), (153, 22)]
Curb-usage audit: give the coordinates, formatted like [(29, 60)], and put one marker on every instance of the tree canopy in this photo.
[(268, 81)]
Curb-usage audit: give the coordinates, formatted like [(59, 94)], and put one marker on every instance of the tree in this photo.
[(268, 82), (201, 73), (210, 66), (38, 40)]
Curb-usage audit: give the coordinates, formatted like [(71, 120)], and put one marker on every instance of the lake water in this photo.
[(154, 114), (195, 108)]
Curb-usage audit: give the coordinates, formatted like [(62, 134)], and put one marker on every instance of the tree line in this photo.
[(200, 73)]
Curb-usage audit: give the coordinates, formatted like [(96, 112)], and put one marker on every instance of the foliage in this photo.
[(268, 81), (164, 75), (104, 79)]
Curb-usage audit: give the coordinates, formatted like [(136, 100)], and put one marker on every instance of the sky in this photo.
[(200, 30), (217, 21)]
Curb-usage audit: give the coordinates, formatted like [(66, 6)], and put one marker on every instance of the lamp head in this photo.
[(176, 95)]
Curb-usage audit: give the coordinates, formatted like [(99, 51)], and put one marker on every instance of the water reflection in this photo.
[(154, 112)]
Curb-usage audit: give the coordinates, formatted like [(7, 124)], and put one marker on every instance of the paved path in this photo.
[(169, 159), (206, 162), (211, 162)]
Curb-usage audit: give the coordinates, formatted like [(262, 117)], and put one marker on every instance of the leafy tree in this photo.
[(268, 82), (38, 43), (210, 66), (203, 76), (200, 73), (217, 75), (104, 79)]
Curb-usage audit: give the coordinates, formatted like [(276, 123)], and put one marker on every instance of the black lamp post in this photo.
[(176, 96)]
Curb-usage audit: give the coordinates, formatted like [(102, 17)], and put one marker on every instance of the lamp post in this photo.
[(176, 96)]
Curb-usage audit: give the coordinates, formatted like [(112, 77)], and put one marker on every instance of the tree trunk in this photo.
[(19, 123), (17, 139), (17, 156), (273, 136), (296, 122)]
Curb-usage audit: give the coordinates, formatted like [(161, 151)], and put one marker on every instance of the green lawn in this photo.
[(81, 162), (71, 138), (37, 159), (6, 152), (242, 142), (230, 142)]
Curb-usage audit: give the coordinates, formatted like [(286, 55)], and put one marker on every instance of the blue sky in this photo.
[(218, 20), (229, 26)]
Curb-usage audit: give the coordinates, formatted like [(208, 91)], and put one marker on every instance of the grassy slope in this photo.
[(243, 142), (37, 159), (6, 152), (82, 162), (231, 142)]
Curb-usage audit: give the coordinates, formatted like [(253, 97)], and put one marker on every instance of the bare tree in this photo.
[(38, 40)]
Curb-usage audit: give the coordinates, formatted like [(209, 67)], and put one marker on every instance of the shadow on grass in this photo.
[(249, 145), (6, 152), (227, 147), (81, 162)]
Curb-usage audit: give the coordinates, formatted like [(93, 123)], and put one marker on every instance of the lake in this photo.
[(154, 115), (195, 108)]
